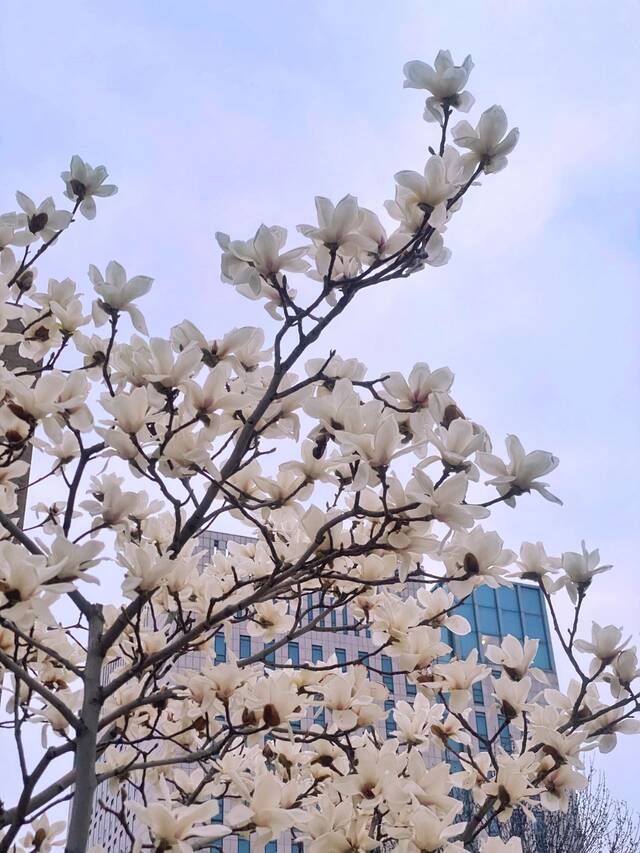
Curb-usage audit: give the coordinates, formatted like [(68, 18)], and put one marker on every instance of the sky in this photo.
[(220, 116)]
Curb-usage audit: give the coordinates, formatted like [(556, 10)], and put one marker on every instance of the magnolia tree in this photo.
[(150, 441)]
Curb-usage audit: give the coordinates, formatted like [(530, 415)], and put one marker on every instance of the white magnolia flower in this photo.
[(521, 473), (625, 670), (534, 563), (579, 570), (117, 294), (431, 190), (513, 656), (250, 263), (84, 184), (43, 220), (271, 619), (446, 83), (606, 644), (170, 824), (41, 835), (489, 143), (338, 224)]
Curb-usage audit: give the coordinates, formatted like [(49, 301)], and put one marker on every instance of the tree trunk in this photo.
[(85, 755)]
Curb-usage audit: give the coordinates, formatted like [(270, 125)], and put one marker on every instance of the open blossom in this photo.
[(43, 220), (117, 293), (534, 564), (475, 558), (605, 646), (579, 570), (170, 824), (252, 262), (521, 473), (624, 671), (85, 184), (446, 82), (41, 835), (512, 696), (514, 657), (489, 143), (270, 620), (338, 224), (268, 808), (430, 191)]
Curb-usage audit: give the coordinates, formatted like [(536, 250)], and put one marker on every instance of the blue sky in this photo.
[(219, 116)]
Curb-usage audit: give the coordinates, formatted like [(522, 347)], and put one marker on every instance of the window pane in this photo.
[(478, 697), (467, 643), (488, 617), (534, 626), (543, 658), (270, 657), (411, 688), (467, 611), (511, 624), (341, 657), (507, 598), (220, 648), (485, 595), (316, 654), (530, 598), (481, 728), (293, 653), (244, 845), (245, 646)]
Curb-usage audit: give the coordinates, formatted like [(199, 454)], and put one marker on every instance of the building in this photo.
[(492, 614)]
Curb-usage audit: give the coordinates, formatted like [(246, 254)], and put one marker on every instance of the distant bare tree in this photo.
[(595, 822)]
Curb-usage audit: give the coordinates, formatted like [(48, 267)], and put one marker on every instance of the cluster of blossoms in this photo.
[(151, 441)]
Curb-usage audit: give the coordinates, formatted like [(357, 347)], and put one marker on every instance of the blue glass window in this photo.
[(317, 654), (450, 756), (511, 623), (543, 658), (508, 598), (478, 697), (341, 657), (485, 596), (245, 646), (363, 656), (297, 847), (219, 818), (309, 607), (467, 611), (387, 669), (488, 618), (411, 687), (390, 723), (531, 601), (319, 717), (270, 657), (244, 845), (505, 736), (345, 618), (467, 643), (481, 728), (220, 648), (272, 847), (293, 653), (534, 626), (367, 634), (334, 619)]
